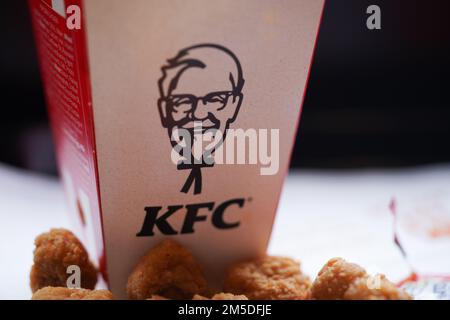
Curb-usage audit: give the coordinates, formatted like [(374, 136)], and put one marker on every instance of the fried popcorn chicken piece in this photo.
[(169, 270), (335, 278), (377, 287), (54, 252), (228, 296), (60, 293), (221, 296), (341, 280), (268, 278), (156, 297)]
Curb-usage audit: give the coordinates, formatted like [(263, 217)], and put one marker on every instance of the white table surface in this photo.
[(322, 214)]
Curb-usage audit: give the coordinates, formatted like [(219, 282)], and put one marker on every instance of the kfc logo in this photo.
[(200, 96)]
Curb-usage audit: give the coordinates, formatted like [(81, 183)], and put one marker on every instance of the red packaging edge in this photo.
[(88, 139)]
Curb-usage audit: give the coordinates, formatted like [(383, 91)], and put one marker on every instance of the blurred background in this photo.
[(376, 98)]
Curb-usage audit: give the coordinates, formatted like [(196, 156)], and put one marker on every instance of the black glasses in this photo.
[(189, 101)]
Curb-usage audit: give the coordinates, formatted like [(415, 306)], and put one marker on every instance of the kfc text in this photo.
[(156, 217)]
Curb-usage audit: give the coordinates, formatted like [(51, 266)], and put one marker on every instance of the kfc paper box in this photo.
[(174, 119)]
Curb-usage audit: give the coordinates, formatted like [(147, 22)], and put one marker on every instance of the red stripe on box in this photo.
[(65, 72)]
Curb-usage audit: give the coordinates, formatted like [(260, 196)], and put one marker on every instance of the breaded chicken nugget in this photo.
[(375, 288), (156, 297), (335, 278), (60, 293), (169, 270), (341, 280), (221, 296), (268, 278), (54, 252)]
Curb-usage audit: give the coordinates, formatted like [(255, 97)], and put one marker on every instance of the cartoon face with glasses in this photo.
[(200, 94)]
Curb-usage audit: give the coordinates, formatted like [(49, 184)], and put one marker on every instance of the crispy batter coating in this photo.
[(375, 288), (60, 293), (341, 280), (169, 270), (335, 278), (221, 296), (156, 297), (54, 252), (268, 278)]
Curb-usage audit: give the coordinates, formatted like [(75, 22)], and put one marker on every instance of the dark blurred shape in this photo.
[(381, 97), (375, 98), (36, 149), (25, 138)]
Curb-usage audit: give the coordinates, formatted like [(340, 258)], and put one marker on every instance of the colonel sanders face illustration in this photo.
[(200, 94)]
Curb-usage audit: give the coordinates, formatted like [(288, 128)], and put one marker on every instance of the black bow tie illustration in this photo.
[(194, 178)]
